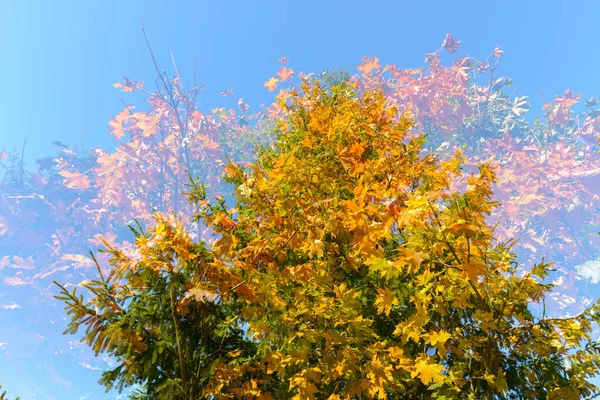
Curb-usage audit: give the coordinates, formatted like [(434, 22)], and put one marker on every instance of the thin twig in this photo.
[(173, 103), (541, 95), (22, 160), (176, 69), (126, 106), (237, 286), (285, 244), (8, 170), (151, 53)]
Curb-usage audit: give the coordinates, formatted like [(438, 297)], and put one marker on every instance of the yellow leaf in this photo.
[(472, 271), (244, 190), (75, 180), (440, 337), (307, 142), (385, 300), (396, 352), (428, 373)]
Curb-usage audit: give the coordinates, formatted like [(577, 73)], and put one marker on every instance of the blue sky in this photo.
[(60, 58)]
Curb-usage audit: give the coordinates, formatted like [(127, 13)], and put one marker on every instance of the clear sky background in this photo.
[(60, 58)]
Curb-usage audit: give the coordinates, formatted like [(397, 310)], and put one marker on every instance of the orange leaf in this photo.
[(124, 87), (148, 124), (285, 74), (75, 179), (3, 154), (271, 84), (369, 65), (116, 124), (451, 44), (129, 85)]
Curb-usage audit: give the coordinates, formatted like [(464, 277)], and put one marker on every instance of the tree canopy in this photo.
[(352, 266)]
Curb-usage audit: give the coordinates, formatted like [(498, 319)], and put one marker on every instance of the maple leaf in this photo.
[(3, 154), (463, 67), (440, 337), (271, 84), (368, 65), (472, 271), (450, 44), (128, 85), (497, 52), (116, 124), (385, 300), (199, 294), (148, 124), (282, 60), (569, 99), (285, 74), (75, 180), (427, 372)]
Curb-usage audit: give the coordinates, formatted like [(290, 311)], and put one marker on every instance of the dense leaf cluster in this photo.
[(349, 268)]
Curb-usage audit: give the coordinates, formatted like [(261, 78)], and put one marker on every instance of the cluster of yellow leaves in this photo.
[(358, 272), (366, 275), (382, 282)]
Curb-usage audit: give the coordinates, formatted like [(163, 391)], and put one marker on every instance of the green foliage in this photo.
[(149, 314)]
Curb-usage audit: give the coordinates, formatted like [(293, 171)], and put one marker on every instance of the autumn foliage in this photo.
[(547, 182), (53, 215), (349, 268), (548, 179)]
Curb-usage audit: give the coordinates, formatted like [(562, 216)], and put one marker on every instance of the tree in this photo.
[(50, 217), (350, 267)]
